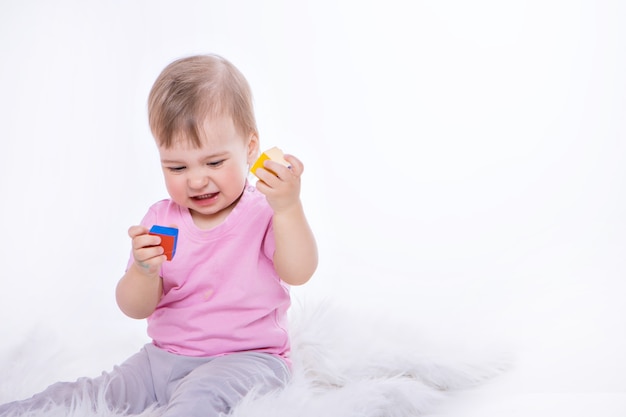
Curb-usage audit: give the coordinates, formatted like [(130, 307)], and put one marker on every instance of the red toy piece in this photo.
[(169, 237)]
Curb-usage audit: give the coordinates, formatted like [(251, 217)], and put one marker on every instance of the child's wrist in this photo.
[(146, 269), (294, 208)]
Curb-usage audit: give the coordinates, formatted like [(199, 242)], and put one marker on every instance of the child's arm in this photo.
[(295, 258), (138, 292)]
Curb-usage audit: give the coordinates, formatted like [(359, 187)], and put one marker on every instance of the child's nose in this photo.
[(197, 181)]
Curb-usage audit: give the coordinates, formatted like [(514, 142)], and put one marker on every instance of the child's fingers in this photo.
[(145, 241), (147, 250), (145, 245), (268, 175), (134, 231), (281, 171), (297, 167), (149, 255)]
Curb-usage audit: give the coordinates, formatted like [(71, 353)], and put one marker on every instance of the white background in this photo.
[(464, 168)]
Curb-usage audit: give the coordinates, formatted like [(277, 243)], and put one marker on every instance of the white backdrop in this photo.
[(464, 167)]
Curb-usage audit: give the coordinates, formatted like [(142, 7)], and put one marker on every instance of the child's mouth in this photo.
[(204, 196)]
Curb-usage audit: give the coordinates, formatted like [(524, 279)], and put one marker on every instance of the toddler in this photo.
[(216, 312)]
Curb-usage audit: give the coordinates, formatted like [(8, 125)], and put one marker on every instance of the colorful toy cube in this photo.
[(275, 154), (169, 237)]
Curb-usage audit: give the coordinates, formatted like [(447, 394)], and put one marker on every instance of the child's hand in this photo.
[(146, 250), (283, 189)]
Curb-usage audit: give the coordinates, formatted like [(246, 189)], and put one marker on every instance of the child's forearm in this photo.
[(296, 256), (137, 293)]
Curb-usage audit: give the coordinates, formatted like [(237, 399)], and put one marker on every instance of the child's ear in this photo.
[(253, 148)]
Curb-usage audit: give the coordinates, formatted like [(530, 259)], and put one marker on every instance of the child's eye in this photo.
[(216, 163), (176, 169)]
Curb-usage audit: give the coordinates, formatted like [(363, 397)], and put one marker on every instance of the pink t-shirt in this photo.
[(221, 293)]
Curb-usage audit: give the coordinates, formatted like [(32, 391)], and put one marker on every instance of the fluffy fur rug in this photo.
[(344, 366)]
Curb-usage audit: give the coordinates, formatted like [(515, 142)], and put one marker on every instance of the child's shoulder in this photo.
[(253, 198)]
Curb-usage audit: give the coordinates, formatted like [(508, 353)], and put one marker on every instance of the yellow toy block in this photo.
[(274, 154)]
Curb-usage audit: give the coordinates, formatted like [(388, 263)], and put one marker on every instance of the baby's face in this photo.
[(209, 180)]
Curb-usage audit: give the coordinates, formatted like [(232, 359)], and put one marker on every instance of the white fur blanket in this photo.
[(344, 366)]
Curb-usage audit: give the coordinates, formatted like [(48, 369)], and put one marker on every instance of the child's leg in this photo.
[(128, 386), (215, 387)]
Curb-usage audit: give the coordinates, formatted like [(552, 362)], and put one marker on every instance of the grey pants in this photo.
[(185, 386)]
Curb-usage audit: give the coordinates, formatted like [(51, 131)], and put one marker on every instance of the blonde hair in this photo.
[(196, 87)]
